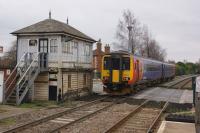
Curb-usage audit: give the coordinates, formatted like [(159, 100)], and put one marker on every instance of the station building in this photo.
[(53, 58)]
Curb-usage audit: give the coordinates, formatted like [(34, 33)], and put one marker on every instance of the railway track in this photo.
[(60, 120), (53, 116), (63, 119), (140, 120), (179, 81)]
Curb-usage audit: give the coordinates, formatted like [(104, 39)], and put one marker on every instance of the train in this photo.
[(122, 72)]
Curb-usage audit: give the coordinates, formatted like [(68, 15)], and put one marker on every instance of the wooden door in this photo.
[(53, 93)]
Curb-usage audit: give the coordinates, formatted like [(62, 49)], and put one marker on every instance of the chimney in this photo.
[(67, 20), (50, 14), (1, 49), (99, 44), (107, 49)]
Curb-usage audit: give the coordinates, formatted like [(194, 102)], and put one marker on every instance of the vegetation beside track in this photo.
[(183, 68), (39, 104), (2, 110), (7, 121), (180, 112)]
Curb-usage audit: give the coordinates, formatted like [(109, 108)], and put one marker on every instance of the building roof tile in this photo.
[(52, 26)]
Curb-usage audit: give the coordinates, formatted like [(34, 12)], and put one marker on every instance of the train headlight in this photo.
[(105, 78), (126, 78)]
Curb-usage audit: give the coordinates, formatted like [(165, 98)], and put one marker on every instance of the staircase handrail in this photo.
[(26, 89), (10, 84), (15, 68), (35, 59)]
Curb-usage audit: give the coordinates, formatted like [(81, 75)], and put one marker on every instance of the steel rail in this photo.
[(87, 116), (42, 120), (181, 80), (124, 119), (185, 83), (157, 118)]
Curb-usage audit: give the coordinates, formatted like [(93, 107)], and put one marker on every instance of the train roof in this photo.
[(119, 52), (137, 56)]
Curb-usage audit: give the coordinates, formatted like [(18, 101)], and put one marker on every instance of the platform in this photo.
[(176, 127), (165, 94)]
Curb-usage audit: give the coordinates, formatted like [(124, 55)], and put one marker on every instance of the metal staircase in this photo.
[(23, 76)]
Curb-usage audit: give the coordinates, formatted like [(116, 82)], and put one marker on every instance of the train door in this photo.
[(115, 70)]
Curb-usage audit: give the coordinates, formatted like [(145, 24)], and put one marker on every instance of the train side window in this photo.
[(106, 63)]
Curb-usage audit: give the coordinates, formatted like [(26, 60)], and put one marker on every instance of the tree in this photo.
[(186, 68), (135, 38), (9, 59), (123, 35), (146, 39), (198, 66)]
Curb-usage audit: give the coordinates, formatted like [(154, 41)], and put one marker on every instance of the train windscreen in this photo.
[(126, 63), (106, 63), (115, 63)]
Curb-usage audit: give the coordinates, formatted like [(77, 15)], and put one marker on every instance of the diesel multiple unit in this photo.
[(122, 71)]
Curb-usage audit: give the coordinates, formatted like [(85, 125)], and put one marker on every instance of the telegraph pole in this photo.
[(130, 44)]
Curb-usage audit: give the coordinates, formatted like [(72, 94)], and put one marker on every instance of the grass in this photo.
[(2, 110), (7, 121), (187, 113), (67, 103), (39, 104)]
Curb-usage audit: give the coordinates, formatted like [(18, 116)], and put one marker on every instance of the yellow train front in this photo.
[(119, 73)]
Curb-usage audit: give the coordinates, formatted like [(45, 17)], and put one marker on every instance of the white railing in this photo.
[(26, 62), (21, 59), (31, 65)]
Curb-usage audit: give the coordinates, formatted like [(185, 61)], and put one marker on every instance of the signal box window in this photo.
[(106, 63), (53, 46), (32, 42)]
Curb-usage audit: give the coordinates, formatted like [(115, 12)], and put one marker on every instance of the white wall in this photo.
[(23, 45), (59, 59), (78, 57)]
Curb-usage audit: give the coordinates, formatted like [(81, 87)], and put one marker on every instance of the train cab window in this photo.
[(126, 63), (106, 63), (115, 63)]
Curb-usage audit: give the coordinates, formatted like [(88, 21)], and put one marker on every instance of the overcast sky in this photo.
[(174, 23)]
